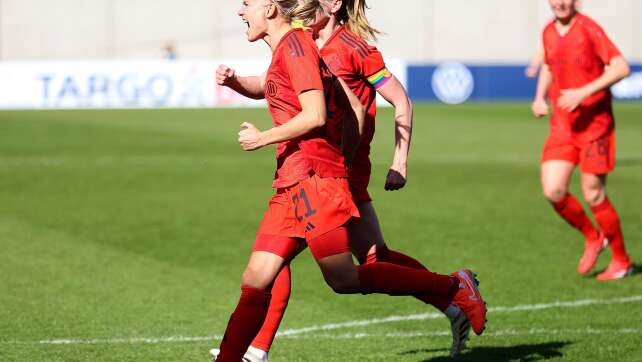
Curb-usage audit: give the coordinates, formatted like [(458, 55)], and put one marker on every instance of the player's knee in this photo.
[(339, 287), (554, 193), (254, 278), (594, 196), (342, 285)]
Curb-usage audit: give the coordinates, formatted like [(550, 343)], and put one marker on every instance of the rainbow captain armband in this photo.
[(380, 78)]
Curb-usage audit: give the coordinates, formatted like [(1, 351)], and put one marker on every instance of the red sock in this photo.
[(391, 279), (397, 258), (572, 211), (278, 304), (609, 222), (244, 324)]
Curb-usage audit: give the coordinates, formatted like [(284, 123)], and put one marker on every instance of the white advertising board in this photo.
[(128, 84)]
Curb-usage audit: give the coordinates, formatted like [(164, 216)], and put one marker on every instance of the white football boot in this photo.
[(252, 355), (460, 328)]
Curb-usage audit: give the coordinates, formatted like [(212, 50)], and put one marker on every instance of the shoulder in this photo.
[(585, 20), (354, 43), (549, 32), (299, 44), (589, 24), (549, 27)]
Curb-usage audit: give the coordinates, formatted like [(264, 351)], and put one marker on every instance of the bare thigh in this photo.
[(262, 269), (365, 232), (555, 178), (340, 272)]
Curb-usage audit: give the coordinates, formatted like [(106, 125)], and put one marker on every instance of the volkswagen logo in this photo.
[(453, 83)]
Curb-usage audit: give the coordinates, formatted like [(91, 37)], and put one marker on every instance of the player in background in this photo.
[(312, 202), (581, 63), (532, 70), (340, 29)]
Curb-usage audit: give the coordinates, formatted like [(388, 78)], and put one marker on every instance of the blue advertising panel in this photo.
[(454, 83)]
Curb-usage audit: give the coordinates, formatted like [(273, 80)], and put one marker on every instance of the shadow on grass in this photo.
[(522, 352), (637, 271)]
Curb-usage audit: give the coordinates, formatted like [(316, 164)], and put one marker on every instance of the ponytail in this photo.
[(353, 15), (307, 10), (304, 11)]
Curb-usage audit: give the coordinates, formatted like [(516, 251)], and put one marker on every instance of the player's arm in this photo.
[(312, 116), (353, 122), (539, 106), (358, 114), (250, 86), (536, 62), (617, 69), (394, 92)]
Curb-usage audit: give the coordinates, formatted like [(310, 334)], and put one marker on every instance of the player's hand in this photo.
[(531, 71), (571, 99), (539, 108), (395, 180), (225, 75), (250, 138)]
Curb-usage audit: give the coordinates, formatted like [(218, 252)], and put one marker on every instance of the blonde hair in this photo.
[(304, 11), (307, 11), (353, 15)]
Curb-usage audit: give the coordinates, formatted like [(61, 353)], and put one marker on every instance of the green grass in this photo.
[(137, 224)]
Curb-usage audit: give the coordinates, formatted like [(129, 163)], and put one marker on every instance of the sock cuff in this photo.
[(606, 204), (454, 286), (560, 205), (249, 293)]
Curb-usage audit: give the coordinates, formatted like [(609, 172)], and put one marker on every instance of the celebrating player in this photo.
[(312, 202), (340, 29), (581, 63)]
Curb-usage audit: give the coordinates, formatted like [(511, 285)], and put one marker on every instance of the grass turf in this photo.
[(121, 225)]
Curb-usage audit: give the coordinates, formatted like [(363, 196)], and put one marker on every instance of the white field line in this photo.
[(445, 333), (492, 310), (301, 332), (414, 334)]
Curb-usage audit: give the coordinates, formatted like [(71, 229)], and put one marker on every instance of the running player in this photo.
[(581, 63), (362, 67), (312, 202)]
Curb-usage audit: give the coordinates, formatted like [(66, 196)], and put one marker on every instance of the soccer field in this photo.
[(123, 235)]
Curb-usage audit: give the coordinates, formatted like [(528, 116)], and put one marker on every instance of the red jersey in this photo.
[(576, 59), (361, 66), (296, 67)]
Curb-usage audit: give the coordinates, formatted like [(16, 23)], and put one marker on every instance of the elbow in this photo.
[(403, 105), (318, 120), (403, 110), (621, 68), (626, 70)]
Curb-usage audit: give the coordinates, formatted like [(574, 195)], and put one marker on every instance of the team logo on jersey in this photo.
[(271, 89), (453, 83)]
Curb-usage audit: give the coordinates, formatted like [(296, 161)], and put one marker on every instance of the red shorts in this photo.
[(305, 211), (596, 157)]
